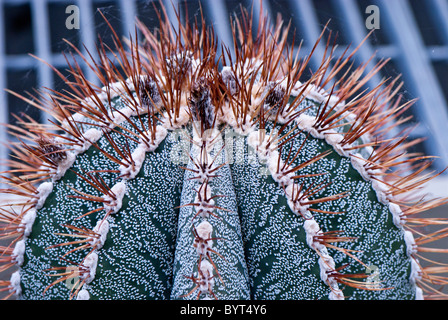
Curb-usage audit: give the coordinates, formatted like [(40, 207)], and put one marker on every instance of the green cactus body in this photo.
[(184, 181)]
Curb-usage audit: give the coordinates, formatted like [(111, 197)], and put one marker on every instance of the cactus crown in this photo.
[(193, 174)]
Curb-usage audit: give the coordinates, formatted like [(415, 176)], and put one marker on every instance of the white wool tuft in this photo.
[(90, 136), (27, 222), (101, 228), (83, 294), (204, 229), (15, 283), (18, 253), (43, 191), (90, 262), (64, 165), (397, 214), (114, 205)]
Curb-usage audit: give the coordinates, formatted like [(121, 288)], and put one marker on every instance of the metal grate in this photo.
[(414, 34)]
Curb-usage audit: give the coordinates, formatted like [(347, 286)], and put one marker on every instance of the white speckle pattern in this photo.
[(230, 261), (143, 229), (381, 189), (294, 196), (65, 209), (280, 263)]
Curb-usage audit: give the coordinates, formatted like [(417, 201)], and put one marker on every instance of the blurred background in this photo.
[(412, 33)]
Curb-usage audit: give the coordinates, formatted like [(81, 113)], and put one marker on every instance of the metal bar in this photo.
[(87, 29), (25, 62), (128, 14), (218, 13), (437, 53), (307, 19), (390, 51), (439, 12), (432, 109), (258, 6), (3, 100), (357, 32), (68, 2), (171, 7), (41, 33)]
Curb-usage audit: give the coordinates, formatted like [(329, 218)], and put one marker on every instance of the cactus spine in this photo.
[(190, 175)]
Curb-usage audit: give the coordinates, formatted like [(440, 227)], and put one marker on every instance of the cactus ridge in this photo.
[(196, 175)]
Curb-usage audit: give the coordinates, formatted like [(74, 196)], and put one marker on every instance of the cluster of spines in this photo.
[(247, 93)]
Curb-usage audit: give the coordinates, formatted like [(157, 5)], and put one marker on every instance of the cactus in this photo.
[(189, 174)]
